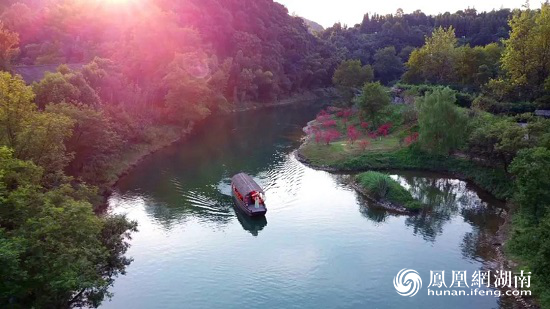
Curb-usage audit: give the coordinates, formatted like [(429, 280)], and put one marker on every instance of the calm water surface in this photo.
[(321, 244)]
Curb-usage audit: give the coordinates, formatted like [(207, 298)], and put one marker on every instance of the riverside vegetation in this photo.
[(439, 122), (66, 137)]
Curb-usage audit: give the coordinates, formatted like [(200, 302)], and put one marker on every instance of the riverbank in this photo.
[(168, 135), (334, 158), (304, 97), (164, 137), (389, 155)]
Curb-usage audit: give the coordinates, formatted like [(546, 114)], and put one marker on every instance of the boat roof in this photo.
[(245, 184)]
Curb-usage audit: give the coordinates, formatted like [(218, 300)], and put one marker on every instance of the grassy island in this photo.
[(386, 191)]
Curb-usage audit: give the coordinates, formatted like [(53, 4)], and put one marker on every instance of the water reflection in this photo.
[(252, 225), (446, 198)]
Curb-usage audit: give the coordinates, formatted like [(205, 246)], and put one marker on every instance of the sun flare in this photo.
[(116, 2)]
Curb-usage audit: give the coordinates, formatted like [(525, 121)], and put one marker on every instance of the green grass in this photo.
[(322, 154), (383, 187), (493, 180)]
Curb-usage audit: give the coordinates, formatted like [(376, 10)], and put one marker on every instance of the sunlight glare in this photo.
[(117, 2)]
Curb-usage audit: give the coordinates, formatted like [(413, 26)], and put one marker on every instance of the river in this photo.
[(321, 244)]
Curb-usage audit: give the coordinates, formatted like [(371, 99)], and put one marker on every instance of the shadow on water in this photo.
[(252, 225)]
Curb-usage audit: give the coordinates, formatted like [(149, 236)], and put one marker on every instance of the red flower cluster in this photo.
[(353, 134), (347, 113), (330, 135), (322, 116), (363, 144), (329, 123), (384, 129), (411, 139)]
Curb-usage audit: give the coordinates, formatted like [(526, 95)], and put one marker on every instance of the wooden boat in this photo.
[(248, 195)]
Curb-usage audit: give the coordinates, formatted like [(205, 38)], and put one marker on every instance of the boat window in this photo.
[(238, 194)]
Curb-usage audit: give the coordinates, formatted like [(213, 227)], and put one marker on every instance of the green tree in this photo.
[(498, 139), (189, 97), (531, 168), (526, 58), (56, 252), (65, 86), (42, 140), (55, 88), (33, 135), (8, 47), (373, 99), (441, 123), (435, 62), (387, 65), (93, 142), (15, 107), (350, 76)]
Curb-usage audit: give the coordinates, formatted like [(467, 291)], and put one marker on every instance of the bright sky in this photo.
[(350, 12)]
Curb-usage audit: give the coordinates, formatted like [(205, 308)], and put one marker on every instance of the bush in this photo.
[(491, 105), (464, 99), (484, 103)]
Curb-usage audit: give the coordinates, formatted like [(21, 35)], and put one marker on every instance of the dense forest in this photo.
[(131, 75)]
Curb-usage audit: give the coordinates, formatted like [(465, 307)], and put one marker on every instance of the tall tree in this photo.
[(16, 105), (350, 76), (387, 65), (435, 62), (373, 99), (526, 58), (8, 47), (441, 124)]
